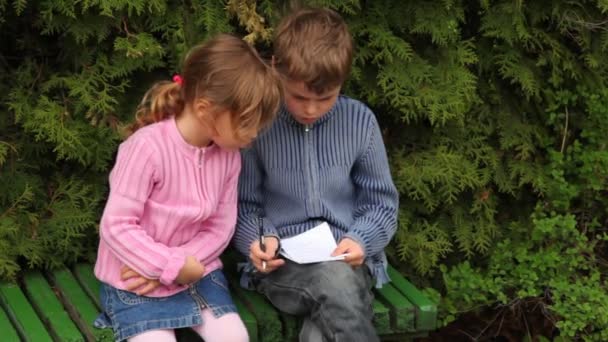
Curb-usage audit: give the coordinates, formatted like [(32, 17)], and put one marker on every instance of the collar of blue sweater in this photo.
[(286, 115)]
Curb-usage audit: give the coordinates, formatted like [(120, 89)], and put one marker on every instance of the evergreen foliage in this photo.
[(494, 113)]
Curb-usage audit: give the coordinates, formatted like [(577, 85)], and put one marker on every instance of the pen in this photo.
[(262, 245)]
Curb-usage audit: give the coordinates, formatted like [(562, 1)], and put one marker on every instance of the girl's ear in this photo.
[(202, 108)]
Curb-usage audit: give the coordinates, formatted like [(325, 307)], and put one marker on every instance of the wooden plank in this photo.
[(269, 322), (402, 311), (79, 305), (24, 318), (291, 326), (248, 318), (49, 309), (426, 310), (382, 318), (88, 281), (267, 317), (9, 334)]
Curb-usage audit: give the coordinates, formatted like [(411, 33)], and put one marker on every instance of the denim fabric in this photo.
[(129, 314), (333, 297)]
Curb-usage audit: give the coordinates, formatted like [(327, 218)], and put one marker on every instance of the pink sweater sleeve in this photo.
[(131, 181), (215, 234)]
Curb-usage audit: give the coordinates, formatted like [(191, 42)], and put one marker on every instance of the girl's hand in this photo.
[(140, 285), (257, 255), (192, 271), (355, 256)]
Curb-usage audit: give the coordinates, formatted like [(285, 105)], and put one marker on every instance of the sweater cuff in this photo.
[(358, 238), (176, 261), (269, 228)]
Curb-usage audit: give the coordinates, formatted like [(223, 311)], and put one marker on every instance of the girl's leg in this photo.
[(167, 335), (228, 328)]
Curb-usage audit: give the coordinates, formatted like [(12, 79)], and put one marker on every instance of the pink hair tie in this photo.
[(178, 79)]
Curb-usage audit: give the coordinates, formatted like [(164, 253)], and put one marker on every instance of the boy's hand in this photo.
[(257, 255), (355, 256), (192, 271), (140, 282)]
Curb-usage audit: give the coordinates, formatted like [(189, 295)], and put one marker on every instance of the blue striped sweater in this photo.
[(335, 170)]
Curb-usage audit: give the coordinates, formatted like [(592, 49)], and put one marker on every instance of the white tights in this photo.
[(228, 328)]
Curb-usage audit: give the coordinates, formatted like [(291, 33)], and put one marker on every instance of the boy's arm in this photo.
[(250, 203), (131, 182), (213, 238), (377, 199)]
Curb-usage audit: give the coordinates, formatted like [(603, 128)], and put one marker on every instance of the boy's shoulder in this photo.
[(352, 111), (343, 98)]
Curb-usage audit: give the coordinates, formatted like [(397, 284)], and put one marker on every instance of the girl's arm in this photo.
[(131, 182), (215, 234)]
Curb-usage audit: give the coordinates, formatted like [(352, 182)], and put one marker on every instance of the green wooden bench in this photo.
[(61, 306)]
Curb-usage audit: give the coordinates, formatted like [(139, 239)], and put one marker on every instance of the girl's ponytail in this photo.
[(227, 72), (161, 101)]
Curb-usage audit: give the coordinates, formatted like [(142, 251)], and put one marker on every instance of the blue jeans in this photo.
[(334, 298)]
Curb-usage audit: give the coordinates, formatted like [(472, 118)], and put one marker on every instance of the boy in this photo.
[(322, 160)]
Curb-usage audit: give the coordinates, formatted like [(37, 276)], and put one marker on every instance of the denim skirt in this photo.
[(129, 314)]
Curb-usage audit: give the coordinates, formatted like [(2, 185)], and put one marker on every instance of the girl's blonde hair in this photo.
[(227, 72)]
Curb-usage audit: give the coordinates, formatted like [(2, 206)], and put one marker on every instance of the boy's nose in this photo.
[(310, 110)]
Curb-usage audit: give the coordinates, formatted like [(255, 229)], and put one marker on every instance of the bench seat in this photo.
[(62, 304)]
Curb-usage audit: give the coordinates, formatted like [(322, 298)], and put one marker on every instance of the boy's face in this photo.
[(305, 105)]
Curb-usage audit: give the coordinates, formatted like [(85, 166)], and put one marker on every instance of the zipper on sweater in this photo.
[(201, 154), (199, 179), (312, 176), (197, 298)]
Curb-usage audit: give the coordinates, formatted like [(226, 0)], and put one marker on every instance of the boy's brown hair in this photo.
[(314, 46)]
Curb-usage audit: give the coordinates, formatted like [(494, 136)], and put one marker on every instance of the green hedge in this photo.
[(495, 115)]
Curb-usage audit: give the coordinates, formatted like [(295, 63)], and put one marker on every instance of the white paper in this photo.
[(314, 245)]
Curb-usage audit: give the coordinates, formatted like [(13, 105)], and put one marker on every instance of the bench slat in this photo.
[(426, 318), (22, 314), (49, 308), (402, 311), (382, 318), (88, 282), (9, 334), (248, 318), (79, 305), (291, 326), (266, 315)]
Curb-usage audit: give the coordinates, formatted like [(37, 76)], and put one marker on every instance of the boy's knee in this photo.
[(338, 279)]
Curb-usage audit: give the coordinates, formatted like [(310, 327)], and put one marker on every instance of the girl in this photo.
[(171, 210)]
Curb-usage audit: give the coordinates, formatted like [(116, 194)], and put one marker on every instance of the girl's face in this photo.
[(225, 135)]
